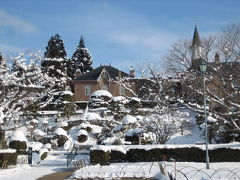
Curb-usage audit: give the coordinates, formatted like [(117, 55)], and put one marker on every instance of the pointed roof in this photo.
[(95, 73), (196, 38)]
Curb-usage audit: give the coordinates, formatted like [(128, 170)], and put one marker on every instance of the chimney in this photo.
[(132, 72), (78, 73), (217, 58)]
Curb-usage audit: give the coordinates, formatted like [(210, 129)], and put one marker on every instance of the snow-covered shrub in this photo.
[(38, 135), (18, 141), (99, 98), (82, 136), (64, 125), (47, 146), (68, 144), (164, 122), (134, 104), (61, 136), (117, 106)]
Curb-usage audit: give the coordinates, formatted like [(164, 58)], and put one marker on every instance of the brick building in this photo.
[(117, 82)]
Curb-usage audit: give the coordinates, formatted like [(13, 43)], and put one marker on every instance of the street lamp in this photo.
[(203, 69)]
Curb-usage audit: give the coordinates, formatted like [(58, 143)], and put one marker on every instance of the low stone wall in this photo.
[(106, 156)]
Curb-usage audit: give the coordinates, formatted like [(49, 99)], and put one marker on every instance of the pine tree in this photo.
[(55, 48), (81, 59), (55, 61), (1, 59)]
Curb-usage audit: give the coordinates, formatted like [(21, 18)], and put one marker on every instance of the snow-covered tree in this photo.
[(17, 92), (55, 61), (222, 78), (81, 59), (164, 122)]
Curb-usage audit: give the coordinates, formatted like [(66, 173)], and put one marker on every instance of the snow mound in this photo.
[(60, 132), (82, 132), (128, 119), (132, 132), (63, 124), (136, 99), (66, 93), (92, 116), (36, 146), (100, 93), (47, 146), (18, 135), (38, 132)]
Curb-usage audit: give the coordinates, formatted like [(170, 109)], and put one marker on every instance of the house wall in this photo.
[(113, 88)]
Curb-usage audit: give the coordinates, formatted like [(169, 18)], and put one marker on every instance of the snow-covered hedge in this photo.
[(148, 153), (8, 157)]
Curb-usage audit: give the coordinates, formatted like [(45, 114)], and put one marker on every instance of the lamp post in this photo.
[(203, 68)]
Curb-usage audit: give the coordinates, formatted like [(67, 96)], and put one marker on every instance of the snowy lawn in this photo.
[(55, 162)]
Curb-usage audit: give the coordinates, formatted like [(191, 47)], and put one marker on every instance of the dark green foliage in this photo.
[(100, 157), (1, 58), (9, 158), (44, 155), (55, 48), (20, 146), (55, 63), (61, 140), (199, 119), (81, 60), (82, 138), (65, 104), (193, 154)]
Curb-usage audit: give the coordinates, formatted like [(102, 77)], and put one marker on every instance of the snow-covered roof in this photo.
[(18, 135), (100, 93), (128, 119)]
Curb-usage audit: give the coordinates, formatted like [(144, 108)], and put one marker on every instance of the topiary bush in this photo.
[(20, 146), (61, 139)]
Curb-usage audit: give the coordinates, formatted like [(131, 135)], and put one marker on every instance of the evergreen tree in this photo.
[(55, 48), (55, 62), (1, 59), (81, 60)]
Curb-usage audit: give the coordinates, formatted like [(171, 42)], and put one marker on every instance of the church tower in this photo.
[(196, 47)]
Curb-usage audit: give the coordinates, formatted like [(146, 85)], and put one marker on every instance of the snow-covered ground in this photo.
[(55, 162), (194, 171)]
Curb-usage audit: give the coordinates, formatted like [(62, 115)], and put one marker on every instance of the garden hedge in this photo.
[(9, 158), (192, 154)]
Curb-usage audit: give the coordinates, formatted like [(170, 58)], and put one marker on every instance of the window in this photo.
[(121, 90), (87, 90), (105, 87)]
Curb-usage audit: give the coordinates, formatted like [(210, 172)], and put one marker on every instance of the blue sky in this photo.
[(120, 32)]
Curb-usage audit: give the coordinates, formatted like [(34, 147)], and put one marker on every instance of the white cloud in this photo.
[(8, 20)]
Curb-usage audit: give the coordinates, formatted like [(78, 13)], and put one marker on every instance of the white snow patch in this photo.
[(18, 135), (128, 119), (100, 93)]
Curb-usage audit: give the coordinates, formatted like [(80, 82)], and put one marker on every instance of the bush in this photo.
[(44, 155), (20, 146), (82, 138), (61, 140), (100, 157), (193, 154), (8, 158)]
